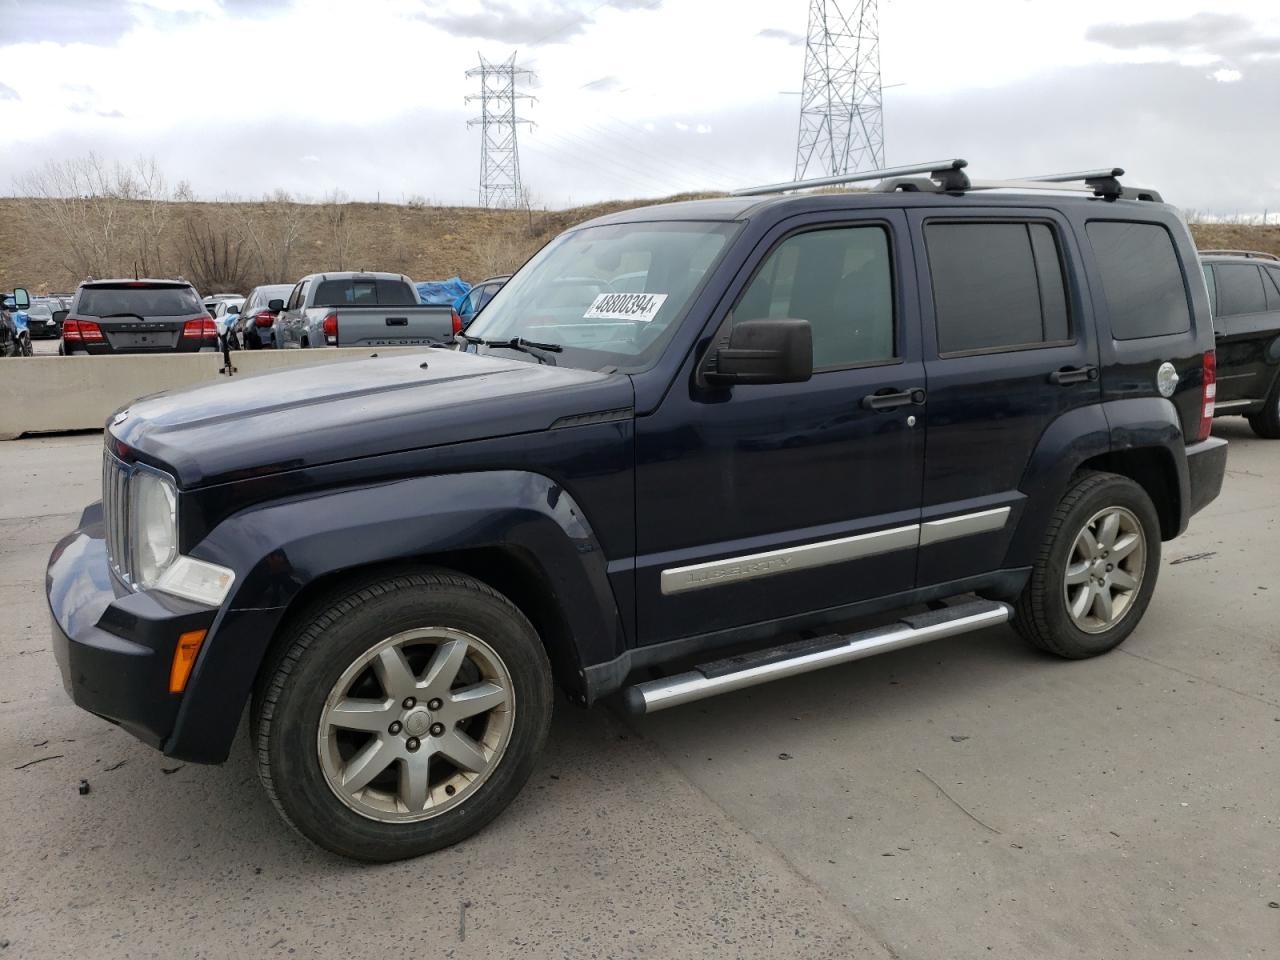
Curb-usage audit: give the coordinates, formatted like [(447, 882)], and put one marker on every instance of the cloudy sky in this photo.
[(635, 97)]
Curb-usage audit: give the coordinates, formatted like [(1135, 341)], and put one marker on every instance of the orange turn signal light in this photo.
[(184, 658)]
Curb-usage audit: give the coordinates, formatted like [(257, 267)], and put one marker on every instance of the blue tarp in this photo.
[(443, 292)]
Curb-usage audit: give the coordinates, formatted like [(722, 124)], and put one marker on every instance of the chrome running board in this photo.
[(803, 656)]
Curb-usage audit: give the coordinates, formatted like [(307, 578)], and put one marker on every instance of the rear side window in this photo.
[(1212, 284), (1141, 279), (1240, 289), (1272, 276), (841, 281), (141, 300), (996, 286), (380, 292)]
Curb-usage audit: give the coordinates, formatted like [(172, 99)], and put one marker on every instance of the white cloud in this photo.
[(310, 158), (1227, 75)]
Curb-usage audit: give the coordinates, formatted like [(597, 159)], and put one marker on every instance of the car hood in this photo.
[(257, 425)]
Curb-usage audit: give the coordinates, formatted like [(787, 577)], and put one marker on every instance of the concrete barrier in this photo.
[(53, 394)]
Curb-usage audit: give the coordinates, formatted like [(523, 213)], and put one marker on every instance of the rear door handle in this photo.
[(891, 399), (397, 321), (1069, 375)]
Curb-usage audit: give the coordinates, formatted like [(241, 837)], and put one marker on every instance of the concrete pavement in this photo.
[(969, 798)]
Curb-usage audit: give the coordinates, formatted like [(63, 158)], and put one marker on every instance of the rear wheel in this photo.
[(1266, 422), (404, 717), (1096, 570)]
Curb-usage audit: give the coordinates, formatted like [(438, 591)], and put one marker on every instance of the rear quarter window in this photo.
[(1240, 289), (1141, 279)]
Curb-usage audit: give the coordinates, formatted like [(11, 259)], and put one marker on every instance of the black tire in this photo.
[(290, 700), (1041, 613), (1266, 422)]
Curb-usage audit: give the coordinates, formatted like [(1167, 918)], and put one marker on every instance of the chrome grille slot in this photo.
[(115, 506)]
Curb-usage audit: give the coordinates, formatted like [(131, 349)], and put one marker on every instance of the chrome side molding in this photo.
[(803, 557), (965, 525), (752, 566)]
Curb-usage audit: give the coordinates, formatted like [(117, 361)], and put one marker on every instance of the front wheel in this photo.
[(404, 717), (1096, 570)]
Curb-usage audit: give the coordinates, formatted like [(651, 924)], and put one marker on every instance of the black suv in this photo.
[(137, 316), (935, 404), (1244, 290)]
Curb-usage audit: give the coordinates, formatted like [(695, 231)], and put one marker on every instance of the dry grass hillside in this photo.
[(236, 245), (51, 245)]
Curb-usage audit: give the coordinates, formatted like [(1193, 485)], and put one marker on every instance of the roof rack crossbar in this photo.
[(1247, 254), (949, 175)]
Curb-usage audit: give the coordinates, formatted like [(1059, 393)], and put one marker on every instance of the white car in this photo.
[(224, 309)]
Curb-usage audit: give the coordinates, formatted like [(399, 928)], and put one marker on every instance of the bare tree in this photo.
[(338, 221), (83, 201), (212, 255), (272, 229)]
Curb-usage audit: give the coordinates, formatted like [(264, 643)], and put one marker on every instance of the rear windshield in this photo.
[(382, 293), (144, 301)]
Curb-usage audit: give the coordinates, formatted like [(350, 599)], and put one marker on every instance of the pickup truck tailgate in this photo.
[(375, 326)]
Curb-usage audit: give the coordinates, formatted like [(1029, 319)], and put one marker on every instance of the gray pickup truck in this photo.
[(347, 309)]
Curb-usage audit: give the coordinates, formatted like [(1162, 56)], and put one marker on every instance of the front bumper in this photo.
[(114, 647), (1206, 468)]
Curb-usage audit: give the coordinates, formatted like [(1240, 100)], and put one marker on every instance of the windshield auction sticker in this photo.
[(625, 306)]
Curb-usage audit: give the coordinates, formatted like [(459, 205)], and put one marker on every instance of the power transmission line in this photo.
[(499, 154), (841, 116)]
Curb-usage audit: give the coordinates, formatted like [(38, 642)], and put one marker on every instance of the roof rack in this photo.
[(948, 176), (1247, 254), (945, 172)]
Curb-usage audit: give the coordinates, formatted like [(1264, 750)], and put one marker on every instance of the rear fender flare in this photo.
[(1087, 433)]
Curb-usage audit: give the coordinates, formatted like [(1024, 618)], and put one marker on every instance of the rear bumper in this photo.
[(1206, 468), (114, 648)]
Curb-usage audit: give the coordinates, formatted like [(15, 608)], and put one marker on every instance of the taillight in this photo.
[(457, 322), (331, 329), (1208, 394), (200, 328), (264, 319), (75, 330)]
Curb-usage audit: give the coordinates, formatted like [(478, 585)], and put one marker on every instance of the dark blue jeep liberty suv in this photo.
[(686, 449)]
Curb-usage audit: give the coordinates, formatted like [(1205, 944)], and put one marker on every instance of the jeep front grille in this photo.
[(115, 514)]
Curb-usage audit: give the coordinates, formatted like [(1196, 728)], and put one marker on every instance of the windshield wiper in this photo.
[(530, 347), (117, 316)]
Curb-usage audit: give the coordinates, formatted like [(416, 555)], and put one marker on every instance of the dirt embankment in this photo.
[(236, 245)]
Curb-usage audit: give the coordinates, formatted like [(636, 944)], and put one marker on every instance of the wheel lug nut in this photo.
[(412, 743), (434, 703), (409, 703), (396, 727), (437, 729)]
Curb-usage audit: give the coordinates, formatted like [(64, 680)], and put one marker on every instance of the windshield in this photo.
[(610, 295)]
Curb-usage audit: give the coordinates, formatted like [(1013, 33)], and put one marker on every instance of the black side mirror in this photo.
[(275, 306), (59, 316), (21, 299), (764, 351)]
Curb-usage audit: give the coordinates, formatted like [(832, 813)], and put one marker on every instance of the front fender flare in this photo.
[(278, 548)]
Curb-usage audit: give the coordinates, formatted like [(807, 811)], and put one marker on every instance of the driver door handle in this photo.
[(892, 399), (1069, 375)]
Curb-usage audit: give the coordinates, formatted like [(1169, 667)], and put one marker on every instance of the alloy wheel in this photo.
[(416, 724), (1105, 569)]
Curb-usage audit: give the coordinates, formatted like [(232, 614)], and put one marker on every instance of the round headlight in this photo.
[(154, 519)]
